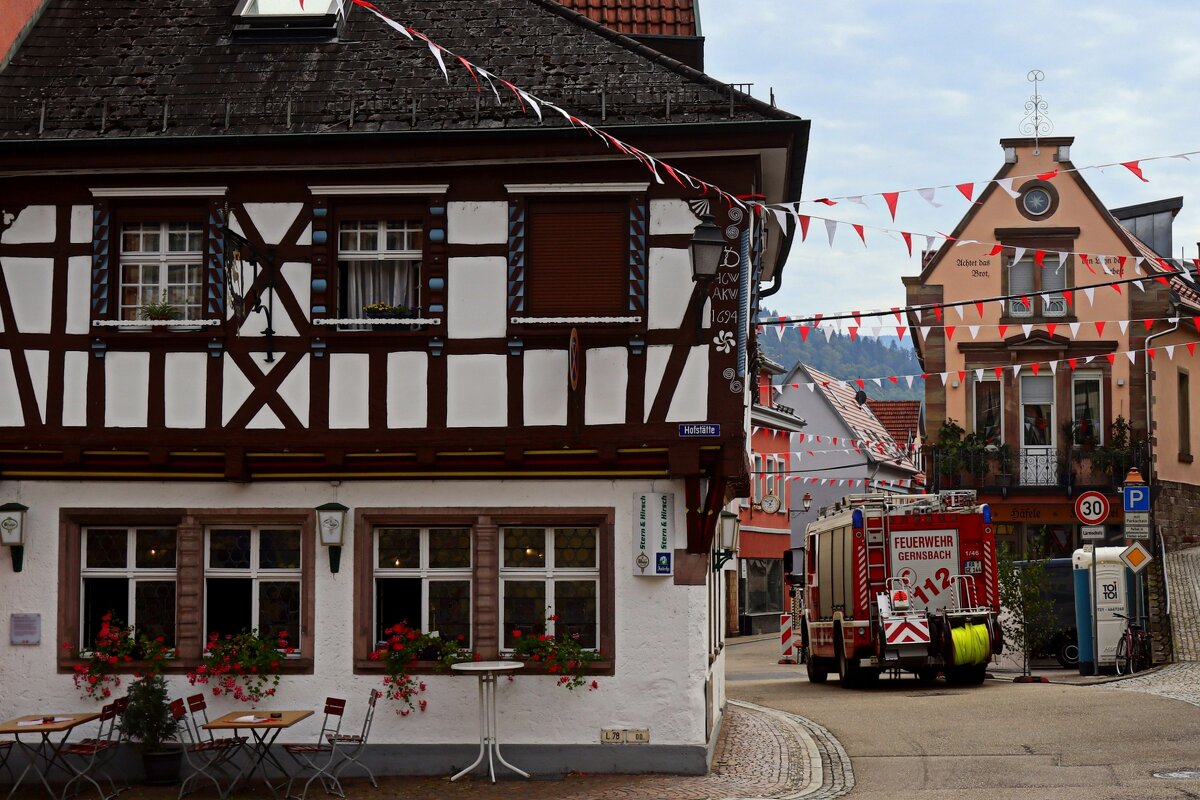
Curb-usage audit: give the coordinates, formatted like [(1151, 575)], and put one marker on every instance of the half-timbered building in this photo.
[(256, 260)]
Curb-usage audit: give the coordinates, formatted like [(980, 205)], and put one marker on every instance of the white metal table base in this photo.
[(488, 741)]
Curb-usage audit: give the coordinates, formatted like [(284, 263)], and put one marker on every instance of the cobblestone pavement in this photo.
[(760, 753), (1179, 681), (1183, 580)]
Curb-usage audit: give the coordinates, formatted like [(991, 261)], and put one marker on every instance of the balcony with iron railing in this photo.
[(1001, 468)]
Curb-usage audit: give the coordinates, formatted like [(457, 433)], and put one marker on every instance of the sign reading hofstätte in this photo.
[(653, 534)]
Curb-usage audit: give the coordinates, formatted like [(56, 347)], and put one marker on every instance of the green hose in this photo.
[(971, 644)]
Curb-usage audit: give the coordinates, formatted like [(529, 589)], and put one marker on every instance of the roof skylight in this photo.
[(288, 19)]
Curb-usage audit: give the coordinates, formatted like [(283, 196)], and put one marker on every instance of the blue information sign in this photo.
[(1137, 498), (687, 429)]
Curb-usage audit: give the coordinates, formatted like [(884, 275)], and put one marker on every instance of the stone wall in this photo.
[(1176, 515)]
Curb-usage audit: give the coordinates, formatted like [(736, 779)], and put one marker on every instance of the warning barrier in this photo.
[(785, 639)]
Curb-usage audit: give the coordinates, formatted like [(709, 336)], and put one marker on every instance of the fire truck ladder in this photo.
[(875, 523)]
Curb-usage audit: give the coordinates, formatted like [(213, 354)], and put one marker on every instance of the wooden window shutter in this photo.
[(578, 258)]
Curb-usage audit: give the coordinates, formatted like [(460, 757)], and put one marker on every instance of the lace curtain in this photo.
[(390, 281)]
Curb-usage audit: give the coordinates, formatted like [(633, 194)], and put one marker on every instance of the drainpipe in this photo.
[(1149, 400)]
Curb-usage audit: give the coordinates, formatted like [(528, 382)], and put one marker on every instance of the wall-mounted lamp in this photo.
[(331, 520), (729, 528), (12, 532), (807, 501), (707, 247)]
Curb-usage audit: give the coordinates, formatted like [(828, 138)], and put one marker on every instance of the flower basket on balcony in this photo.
[(561, 655), (388, 311), (402, 648)]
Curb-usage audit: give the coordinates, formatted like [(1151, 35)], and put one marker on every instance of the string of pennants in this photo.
[(938, 309), (529, 102), (968, 189), (1035, 367), (857, 445), (898, 483), (949, 331)]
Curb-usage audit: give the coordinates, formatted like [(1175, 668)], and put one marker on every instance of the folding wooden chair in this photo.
[(207, 756), (88, 758), (318, 758), (351, 746)]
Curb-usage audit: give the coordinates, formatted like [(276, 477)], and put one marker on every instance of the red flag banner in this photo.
[(891, 198), (968, 191), (997, 250), (861, 233), (1039, 258), (1048, 176), (907, 241), (1099, 327), (979, 308), (1136, 169), (1051, 327), (803, 226), (1073, 362), (949, 332), (1112, 357)]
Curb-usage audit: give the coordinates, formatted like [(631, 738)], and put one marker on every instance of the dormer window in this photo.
[(308, 20)]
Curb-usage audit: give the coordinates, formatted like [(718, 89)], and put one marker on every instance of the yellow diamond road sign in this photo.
[(1136, 556)]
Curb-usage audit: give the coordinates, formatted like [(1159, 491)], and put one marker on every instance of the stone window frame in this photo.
[(485, 524), (1183, 402), (1053, 241), (190, 526)]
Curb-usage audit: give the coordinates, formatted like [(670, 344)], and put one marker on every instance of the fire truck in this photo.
[(901, 582)]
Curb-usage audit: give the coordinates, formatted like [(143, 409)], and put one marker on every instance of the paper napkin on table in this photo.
[(250, 718)]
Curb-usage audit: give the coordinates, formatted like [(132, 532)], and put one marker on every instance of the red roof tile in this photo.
[(902, 418), (640, 17)]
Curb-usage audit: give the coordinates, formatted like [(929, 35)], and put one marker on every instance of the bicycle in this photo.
[(1133, 648)]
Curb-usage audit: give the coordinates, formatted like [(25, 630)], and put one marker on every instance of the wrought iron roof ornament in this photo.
[(1036, 123)]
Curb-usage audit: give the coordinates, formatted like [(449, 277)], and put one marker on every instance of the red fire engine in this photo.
[(901, 581)]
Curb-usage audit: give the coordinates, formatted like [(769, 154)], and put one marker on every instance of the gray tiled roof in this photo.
[(110, 68)]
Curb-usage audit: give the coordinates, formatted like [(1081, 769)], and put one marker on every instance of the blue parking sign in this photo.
[(1137, 498)]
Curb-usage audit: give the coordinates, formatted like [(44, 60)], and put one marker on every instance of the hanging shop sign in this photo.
[(653, 534)]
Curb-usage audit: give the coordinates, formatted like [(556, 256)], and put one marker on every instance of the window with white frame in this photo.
[(252, 580), (550, 583), (758, 479), (772, 469), (1087, 413), (1025, 278), (1037, 410), (128, 573), (988, 405), (161, 264), (423, 579), (379, 265)]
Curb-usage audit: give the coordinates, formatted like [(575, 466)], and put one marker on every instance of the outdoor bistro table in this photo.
[(264, 727), (486, 672), (45, 751)]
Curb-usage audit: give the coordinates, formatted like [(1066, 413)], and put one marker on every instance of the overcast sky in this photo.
[(919, 93)]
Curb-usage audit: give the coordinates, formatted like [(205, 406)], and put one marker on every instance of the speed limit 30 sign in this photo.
[(1091, 508)]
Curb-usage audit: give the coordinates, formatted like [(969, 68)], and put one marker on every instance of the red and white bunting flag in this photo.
[(908, 380), (1150, 351), (1170, 348), (1117, 287), (1069, 296), (1090, 293), (1087, 262), (1123, 324), (857, 318), (1027, 329), (1073, 362), (896, 312), (891, 198), (1112, 357), (1002, 329), (1136, 169), (1039, 258), (937, 312), (804, 331), (907, 241), (949, 332), (804, 221), (1016, 370), (1131, 355), (1051, 327), (1062, 259), (1036, 367), (924, 332), (1137, 265), (996, 250), (979, 374), (1053, 367), (944, 376), (1191, 346), (1018, 254), (979, 308), (1099, 327), (861, 233), (958, 309), (1047, 176), (1007, 185), (830, 229), (962, 376), (853, 333), (967, 189), (928, 194)]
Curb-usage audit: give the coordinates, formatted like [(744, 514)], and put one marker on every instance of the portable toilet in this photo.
[(1112, 599)]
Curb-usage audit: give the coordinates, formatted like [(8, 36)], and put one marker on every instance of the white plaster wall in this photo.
[(273, 219), (126, 389), (186, 377), (690, 401), (545, 387), (10, 401), (75, 388), (295, 390), (349, 382), (298, 277), (407, 390), (607, 379), (672, 217), (656, 365), (31, 286), (660, 627), (476, 297), (81, 224), (35, 224), (38, 362), (670, 286), (477, 222), (476, 391), (79, 294), (235, 388)]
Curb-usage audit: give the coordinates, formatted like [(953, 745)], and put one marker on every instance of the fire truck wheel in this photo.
[(967, 675), (926, 675), (848, 672), (817, 673)]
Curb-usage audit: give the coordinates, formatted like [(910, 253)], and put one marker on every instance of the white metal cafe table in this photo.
[(487, 671)]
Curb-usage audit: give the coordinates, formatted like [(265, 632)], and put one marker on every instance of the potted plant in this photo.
[(148, 721), (388, 311), (560, 654), (160, 311), (244, 666), (403, 648)]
